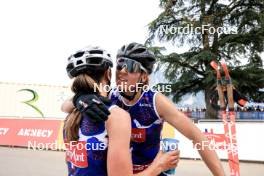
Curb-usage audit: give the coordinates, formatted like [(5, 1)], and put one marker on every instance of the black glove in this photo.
[(95, 106)]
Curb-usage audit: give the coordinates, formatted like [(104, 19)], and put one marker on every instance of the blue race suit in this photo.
[(146, 128), (88, 155)]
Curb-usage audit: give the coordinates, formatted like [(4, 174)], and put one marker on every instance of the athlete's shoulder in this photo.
[(159, 98), (149, 95), (118, 122), (118, 113)]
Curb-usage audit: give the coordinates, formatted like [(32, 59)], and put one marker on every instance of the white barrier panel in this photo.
[(31, 100), (249, 140)]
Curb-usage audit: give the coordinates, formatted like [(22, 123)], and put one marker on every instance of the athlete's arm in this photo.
[(184, 125), (119, 132), (118, 155), (67, 106)]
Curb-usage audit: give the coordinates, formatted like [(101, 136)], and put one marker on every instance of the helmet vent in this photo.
[(70, 66), (96, 52), (123, 48), (79, 54), (94, 60), (139, 50), (130, 46), (79, 62)]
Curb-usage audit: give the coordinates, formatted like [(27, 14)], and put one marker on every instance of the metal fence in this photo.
[(251, 115)]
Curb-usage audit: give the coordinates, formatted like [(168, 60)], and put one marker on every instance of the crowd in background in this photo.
[(254, 113)]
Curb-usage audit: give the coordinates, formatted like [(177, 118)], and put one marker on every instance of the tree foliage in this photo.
[(230, 30)]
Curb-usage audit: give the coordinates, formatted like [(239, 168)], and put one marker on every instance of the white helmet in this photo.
[(88, 59)]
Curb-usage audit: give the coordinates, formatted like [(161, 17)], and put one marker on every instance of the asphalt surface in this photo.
[(24, 162)]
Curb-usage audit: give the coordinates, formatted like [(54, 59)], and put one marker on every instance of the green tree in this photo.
[(232, 30)]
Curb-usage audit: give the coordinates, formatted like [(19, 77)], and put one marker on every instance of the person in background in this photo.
[(239, 99)]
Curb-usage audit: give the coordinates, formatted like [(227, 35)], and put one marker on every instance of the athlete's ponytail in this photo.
[(81, 83)]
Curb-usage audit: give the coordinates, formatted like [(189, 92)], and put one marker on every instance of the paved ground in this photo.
[(23, 162)]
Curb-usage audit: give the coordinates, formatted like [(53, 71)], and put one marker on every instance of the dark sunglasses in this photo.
[(131, 66)]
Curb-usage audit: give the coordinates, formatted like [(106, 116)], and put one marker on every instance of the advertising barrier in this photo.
[(47, 134), (34, 133)]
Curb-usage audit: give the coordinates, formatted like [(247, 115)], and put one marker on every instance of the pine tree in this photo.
[(232, 30)]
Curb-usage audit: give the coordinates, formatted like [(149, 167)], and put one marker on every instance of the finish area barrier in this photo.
[(47, 134), (30, 132)]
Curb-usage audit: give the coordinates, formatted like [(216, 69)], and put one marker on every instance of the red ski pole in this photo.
[(233, 137), (223, 115)]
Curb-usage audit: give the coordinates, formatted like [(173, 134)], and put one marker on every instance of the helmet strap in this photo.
[(131, 97)]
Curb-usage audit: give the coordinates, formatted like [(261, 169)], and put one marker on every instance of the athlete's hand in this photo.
[(168, 160), (92, 105)]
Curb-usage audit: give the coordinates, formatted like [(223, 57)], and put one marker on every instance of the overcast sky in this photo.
[(36, 37)]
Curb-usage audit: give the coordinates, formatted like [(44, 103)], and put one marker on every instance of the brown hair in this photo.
[(147, 81), (82, 83)]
